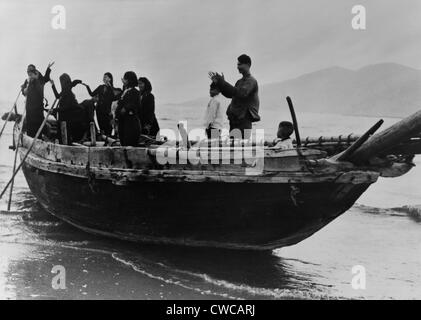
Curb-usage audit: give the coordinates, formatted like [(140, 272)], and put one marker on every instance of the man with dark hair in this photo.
[(244, 106)]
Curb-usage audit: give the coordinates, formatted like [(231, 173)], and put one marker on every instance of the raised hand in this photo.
[(51, 64), (215, 76), (212, 76)]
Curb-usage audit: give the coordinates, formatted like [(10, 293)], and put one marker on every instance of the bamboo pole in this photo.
[(344, 156), (9, 203), (345, 139), (14, 163), (29, 149), (387, 139), (10, 113)]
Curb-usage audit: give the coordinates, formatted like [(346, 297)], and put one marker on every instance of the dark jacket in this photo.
[(147, 116), (105, 98), (34, 105), (35, 100), (42, 79), (68, 103), (77, 116), (128, 118), (245, 98)]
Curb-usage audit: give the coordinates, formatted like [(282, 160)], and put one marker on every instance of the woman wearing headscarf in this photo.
[(77, 116), (34, 104), (147, 117), (127, 111), (106, 95), (33, 89)]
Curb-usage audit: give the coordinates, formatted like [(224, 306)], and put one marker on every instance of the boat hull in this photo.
[(255, 216)]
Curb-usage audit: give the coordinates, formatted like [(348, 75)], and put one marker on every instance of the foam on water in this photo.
[(171, 281), (258, 292)]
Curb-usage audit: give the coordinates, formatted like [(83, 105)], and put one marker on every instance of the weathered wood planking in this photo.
[(212, 159), (122, 176)]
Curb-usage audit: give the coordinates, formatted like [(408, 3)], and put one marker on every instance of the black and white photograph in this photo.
[(210, 154)]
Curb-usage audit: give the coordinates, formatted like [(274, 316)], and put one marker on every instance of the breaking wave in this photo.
[(413, 211), (179, 283), (271, 293), (189, 280)]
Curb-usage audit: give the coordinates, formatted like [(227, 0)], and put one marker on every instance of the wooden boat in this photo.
[(270, 199)]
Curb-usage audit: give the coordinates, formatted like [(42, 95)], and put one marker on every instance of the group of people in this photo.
[(134, 115), (135, 112)]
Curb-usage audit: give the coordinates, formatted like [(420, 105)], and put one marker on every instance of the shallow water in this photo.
[(385, 241)]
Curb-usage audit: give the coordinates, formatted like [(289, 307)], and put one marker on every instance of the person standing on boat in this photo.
[(244, 107), (41, 78), (148, 121), (105, 95), (127, 111), (214, 118), (33, 90), (77, 116)]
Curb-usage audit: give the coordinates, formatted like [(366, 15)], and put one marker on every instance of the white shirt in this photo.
[(213, 114), (283, 144)]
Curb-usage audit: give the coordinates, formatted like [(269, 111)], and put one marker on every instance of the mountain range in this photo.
[(386, 89)]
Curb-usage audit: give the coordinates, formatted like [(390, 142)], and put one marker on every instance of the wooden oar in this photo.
[(294, 121), (387, 139), (14, 162), (9, 114), (344, 156), (29, 149)]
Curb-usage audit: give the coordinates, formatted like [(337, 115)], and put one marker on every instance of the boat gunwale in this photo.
[(119, 175)]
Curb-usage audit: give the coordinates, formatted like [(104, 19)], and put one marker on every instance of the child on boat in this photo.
[(283, 140), (213, 119)]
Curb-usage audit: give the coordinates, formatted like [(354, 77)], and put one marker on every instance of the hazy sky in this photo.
[(176, 42)]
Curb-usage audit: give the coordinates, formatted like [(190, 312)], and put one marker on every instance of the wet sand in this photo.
[(26, 266)]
